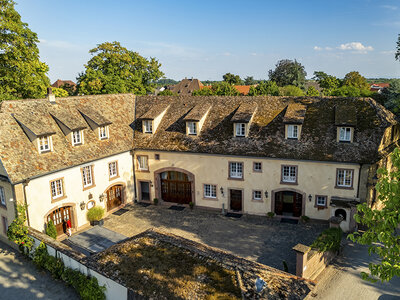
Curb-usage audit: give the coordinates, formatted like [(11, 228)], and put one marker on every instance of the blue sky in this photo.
[(206, 39)]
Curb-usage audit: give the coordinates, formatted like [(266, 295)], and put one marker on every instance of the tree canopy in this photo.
[(249, 80), (391, 96), (355, 79), (218, 89), (397, 54), (232, 79), (291, 90), (382, 235), (59, 92), (115, 69), (22, 74), (288, 72), (264, 88), (312, 91)]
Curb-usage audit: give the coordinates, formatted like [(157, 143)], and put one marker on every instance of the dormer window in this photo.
[(148, 126), (292, 131), (103, 132), (345, 134), (192, 128), (77, 137), (240, 129), (44, 143)]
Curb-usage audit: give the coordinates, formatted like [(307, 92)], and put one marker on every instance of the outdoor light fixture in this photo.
[(310, 197), (82, 205), (222, 190), (266, 194), (101, 197)]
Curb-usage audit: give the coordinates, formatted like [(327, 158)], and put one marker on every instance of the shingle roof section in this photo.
[(36, 121), (153, 112), (187, 86), (266, 136), (93, 114), (70, 117), (244, 112), (295, 113), (345, 115), (197, 112), (16, 149)]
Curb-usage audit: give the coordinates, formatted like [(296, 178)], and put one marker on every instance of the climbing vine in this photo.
[(18, 231)]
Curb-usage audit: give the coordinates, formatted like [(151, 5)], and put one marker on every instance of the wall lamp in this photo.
[(222, 191), (266, 194), (310, 197), (82, 205), (101, 197)]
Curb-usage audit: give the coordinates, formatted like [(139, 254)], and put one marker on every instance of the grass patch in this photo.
[(160, 270)]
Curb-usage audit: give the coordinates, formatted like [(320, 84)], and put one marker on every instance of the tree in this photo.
[(327, 82), (397, 54), (232, 79), (167, 92), (249, 80), (382, 235), (70, 89), (288, 72), (205, 91), (391, 96), (18, 232), (291, 90), (265, 88), (115, 69), (346, 91), (22, 74), (312, 91), (59, 92), (319, 76), (224, 89), (355, 79)]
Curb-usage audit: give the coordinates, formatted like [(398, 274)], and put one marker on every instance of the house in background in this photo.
[(64, 83), (378, 87), (186, 86)]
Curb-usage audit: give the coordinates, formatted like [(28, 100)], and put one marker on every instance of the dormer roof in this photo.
[(70, 118), (295, 113), (88, 112), (244, 112), (153, 112), (36, 122), (345, 115), (197, 112)]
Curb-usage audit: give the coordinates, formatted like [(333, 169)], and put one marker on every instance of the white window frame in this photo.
[(113, 169), (2, 196), (87, 176), (344, 178), (320, 198), (143, 162), (289, 174), (292, 131), (77, 137), (236, 170), (44, 143), (57, 188), (210, 191), (240, 129), (148, 126), (103, 132), (345, 134), (254, 195), (192, 128)]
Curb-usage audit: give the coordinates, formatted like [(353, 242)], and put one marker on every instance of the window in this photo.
[(157, 156), (192, 128), (257, 195), (210, 191), (103, 132), (257, 167), (148, 126), (87, 176), (142, 162), (44, 143), (235, 170), (345, 134), (321, 201), (240, 129), (344, 178), (56, 189), (2, 196), (289, 174), (292, 131), (113, 169), (76, 137)]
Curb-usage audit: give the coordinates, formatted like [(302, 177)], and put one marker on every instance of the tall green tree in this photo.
[(382, 235), (224, 89), (115, 69), (391, 96), (291, 90), (264, 88), (249, 80), (288, 72), (312, 91), (232, 79), (22, 74), (327, 82), (355, 79), (397, 54)]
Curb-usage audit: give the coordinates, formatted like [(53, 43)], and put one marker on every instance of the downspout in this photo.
[(132, 151), (25, 184), (359, 180)]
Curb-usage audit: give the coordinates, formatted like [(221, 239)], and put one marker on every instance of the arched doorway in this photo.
[(288, 203), (60, 216), (114, 196), (175, 187)]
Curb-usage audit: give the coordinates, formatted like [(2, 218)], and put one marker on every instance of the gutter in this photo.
[(359, 180), (25, 184)]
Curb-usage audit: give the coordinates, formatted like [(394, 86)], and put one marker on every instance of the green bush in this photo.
[(305, 219), (18, 232), (51, 230), (155, 201), (87, 287), (270, 214), (95, 213), (328, 240)]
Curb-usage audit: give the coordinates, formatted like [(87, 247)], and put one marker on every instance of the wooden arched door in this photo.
[(59, 217), (114, 196), (176, 187), (288, 203)]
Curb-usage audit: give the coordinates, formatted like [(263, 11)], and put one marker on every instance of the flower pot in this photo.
[(95, 223)]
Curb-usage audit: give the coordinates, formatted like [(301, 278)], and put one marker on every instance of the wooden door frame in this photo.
[(123, 195), (157, 181), (140, 190), (303, 200), (229, 199), (74, 219)]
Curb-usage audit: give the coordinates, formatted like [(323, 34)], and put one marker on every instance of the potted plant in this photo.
[(191, 205), (155, 201), (95, 216)]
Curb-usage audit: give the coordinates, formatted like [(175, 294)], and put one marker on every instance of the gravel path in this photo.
[(256, 238), (20, 279)]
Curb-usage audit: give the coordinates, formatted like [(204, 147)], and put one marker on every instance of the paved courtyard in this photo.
[(253, 237)]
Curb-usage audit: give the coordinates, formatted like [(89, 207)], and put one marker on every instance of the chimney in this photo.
[(50, 96)]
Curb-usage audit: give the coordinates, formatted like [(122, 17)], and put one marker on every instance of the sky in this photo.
[(206, 39)]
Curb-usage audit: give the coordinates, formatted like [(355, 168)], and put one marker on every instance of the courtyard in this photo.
[(257, 238)]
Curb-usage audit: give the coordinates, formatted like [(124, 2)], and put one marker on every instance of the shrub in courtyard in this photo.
[(270, 214), (304, 219), (51, 230), (328, 240), (191, 204), (18, 232), (155, 201), (95, 213)]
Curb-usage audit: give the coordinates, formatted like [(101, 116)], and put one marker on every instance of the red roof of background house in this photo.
[(378, 86), (243, 89), (60, 83)]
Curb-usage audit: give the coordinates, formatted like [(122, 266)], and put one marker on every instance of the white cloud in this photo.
[(388, 52), (355, 46), (316, 48), (390, 7)]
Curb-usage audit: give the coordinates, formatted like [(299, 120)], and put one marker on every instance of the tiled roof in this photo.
[(20, 156), (197, 112), (153, 112), (243, 89), (244, 112), (345, 115), (266, 136), (295, 113), (60, 83), (187, 86)]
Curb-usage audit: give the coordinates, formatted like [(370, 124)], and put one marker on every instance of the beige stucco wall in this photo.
[(38, 192), (315, 178), (8, 211)]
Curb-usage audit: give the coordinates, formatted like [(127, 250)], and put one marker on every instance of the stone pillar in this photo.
[(301, 258)]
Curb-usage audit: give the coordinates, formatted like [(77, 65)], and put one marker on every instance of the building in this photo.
[(64, 83), (378, 87), (291, 156), (186, 87)]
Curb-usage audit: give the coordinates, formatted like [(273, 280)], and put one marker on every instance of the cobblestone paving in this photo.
[(253, 237)]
